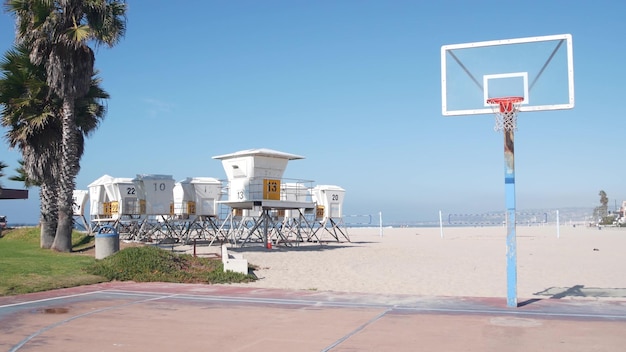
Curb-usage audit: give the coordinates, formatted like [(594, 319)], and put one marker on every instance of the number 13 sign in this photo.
[(271, 189)]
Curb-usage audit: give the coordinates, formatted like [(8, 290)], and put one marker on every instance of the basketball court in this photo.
[(126, 316)]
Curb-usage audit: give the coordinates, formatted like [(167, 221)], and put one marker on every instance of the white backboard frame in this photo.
[(525, 106)]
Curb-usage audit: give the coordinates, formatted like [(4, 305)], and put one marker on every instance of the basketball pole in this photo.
[(509, 193)]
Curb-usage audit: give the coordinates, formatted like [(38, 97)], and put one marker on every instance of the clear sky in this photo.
[(354, 87)]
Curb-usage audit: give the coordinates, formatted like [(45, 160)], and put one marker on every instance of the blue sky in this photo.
[(354, 87)]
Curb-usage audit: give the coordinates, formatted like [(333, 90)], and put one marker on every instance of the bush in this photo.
[(149, 263), (607, 220)]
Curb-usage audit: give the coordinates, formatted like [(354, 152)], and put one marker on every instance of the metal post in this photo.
[(440, 225), (266, 238), (511, 245)]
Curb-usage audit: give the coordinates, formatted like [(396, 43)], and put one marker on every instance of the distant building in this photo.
[(621, 215)]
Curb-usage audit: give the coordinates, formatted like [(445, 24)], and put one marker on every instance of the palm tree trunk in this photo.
[(67, 178), (49, 214)]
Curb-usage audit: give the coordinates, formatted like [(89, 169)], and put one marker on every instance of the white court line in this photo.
[(390, 308), (355, 331), (42, 330), (47, 299), (515, 312), (424, 309), (329, 304), (278, 301)]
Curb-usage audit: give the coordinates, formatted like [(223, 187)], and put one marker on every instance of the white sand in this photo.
[(465, 262)]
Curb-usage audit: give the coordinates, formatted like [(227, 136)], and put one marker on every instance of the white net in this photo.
[(506, 110), (505, 121)]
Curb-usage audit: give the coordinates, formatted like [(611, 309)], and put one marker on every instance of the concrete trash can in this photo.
[(107, 242)]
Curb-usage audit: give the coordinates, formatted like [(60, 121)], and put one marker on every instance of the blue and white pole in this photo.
[(511, 241), (506, 109)]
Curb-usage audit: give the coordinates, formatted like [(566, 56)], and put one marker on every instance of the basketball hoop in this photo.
[(506, 109)]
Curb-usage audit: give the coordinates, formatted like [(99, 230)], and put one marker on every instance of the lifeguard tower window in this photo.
[(237, 172)]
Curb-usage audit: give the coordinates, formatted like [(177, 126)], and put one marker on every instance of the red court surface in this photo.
[(128, 316)]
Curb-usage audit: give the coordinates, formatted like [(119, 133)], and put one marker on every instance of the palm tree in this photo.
[(58, 32), (2, 166), (22, 176), (29, 111), (604, 204), (32, 114)]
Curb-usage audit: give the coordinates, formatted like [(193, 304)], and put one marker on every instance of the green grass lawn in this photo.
[(24, 267)]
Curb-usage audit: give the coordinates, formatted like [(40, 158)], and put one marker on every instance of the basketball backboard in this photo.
[(539, 69)]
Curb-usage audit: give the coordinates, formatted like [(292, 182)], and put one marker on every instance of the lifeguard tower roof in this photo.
[(259, 152), (254, 178), (256, 164), (102, 180)]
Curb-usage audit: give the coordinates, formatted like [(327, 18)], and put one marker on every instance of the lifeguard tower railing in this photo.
[(268, 211)]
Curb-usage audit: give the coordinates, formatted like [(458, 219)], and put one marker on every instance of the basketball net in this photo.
[(505, 109)]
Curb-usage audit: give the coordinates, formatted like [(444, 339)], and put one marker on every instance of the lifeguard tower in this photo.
[(196, 208), (156, 202), (124, 205), (329, 211), (254, 192), (79, 199), (98, 200), (113, 201), (123, 197)]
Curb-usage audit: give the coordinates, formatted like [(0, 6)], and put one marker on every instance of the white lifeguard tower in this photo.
[(122, 194), (156, 201), (254, 191), (98, 198), (155, 194), (197, 196), (113, 201), (329, 210), (125, 206), (80, 198), (196, 205)]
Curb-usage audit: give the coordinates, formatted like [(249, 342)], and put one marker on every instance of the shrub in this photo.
[(149, 263)]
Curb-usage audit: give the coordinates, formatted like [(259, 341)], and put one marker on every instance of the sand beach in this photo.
[(574, 262)]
